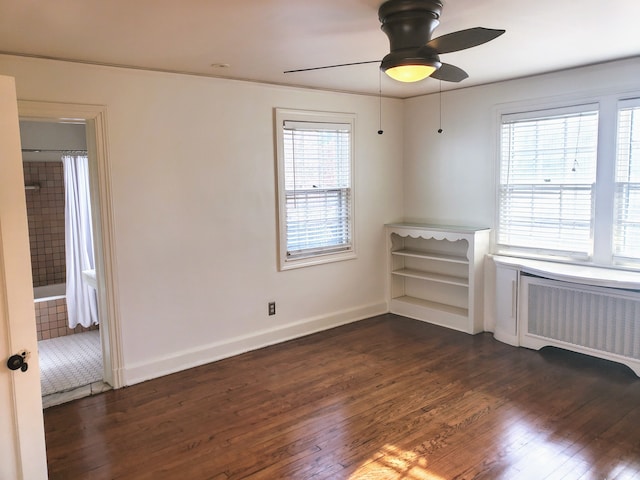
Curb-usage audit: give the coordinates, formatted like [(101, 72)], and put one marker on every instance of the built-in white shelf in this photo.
[(436, 274), (434, 277), (440, 307), (431, 256)]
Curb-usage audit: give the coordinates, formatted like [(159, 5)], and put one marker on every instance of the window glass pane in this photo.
[(317, 219), (547, 177), (626, 230), (317, 180)]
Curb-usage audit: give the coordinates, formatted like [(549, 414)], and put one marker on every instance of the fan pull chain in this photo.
[(440, 107), (380, 132)]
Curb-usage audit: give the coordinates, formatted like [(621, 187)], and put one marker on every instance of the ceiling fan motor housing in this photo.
[(409, 24)]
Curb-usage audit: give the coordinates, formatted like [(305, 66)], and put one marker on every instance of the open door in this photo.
[(22, 442)]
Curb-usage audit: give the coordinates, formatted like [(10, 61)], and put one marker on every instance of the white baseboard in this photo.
[(179, 361)]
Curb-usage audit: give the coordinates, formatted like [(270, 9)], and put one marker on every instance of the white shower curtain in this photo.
[(81, 298)]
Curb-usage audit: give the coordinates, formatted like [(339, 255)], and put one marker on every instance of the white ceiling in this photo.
[(260, 39)]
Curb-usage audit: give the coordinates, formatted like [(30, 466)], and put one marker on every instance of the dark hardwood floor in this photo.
[(384, 398)]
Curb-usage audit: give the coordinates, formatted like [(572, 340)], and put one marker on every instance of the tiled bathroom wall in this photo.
[(45, 213), (51, 320)]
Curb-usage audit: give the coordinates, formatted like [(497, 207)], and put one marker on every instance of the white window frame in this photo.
[(608, 104), (628, 186), (554, 188), (314, 119)]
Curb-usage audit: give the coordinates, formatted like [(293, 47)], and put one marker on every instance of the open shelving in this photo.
[(435, 274)]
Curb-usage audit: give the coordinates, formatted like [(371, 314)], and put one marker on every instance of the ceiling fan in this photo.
[(414, 55)]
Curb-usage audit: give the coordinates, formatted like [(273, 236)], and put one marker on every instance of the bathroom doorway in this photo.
[(68, 338), (70, 341)]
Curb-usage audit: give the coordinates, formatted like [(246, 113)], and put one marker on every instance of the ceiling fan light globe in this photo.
[(410, 73)]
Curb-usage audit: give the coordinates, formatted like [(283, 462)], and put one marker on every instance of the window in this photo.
[(547, 174), (569, 182), (626, 236), (315, 187)]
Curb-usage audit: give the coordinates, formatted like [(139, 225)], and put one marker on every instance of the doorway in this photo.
[(55, 164), (86, 136)]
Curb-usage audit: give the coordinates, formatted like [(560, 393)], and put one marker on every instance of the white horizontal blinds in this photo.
[(626, 228), (547, 179), (317, 164)]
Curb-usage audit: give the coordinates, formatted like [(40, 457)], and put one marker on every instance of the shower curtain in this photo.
[(81, 298)]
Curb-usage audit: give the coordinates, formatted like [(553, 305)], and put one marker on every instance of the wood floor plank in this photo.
[(384, 398)]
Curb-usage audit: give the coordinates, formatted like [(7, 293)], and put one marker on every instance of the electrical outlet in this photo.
[(272, 308)]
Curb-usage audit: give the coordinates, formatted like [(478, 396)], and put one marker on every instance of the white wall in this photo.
[(60, 136), (194, 202), (450, 177)]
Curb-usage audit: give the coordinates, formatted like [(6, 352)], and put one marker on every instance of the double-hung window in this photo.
[(569, 182), (315, 187), (547, 178), (626, 233)]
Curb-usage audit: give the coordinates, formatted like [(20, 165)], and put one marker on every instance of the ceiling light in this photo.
[(408, 66), (410, 73)]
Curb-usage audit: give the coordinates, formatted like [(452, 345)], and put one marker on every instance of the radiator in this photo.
[(598, 321)]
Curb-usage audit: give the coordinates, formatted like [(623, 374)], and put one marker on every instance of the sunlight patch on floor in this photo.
[(393, 463)]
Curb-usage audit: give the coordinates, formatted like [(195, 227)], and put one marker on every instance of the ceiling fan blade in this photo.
[(331, 66), (449, 73), (462, 39)]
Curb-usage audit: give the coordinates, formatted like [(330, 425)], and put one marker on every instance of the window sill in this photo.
[(316, 260), (582, 274)]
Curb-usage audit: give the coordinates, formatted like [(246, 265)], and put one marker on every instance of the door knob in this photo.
[(18, 362)]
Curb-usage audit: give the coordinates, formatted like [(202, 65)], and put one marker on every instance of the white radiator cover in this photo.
[(598, 321)]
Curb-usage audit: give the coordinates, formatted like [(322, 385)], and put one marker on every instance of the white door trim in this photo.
[(94, 116)]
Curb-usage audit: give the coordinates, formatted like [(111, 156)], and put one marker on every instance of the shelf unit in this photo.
[(436, 274)]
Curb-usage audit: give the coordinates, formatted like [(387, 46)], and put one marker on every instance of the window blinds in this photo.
[(317, 170), (626, 229), (547, 177)]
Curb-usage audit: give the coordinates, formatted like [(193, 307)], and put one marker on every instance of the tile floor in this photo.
[(70, 367)]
